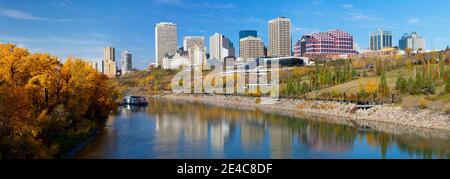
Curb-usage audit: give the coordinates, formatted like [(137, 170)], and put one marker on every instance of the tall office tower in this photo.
[(412, 41), (110, 66), (166, 39), (380, 39), (247, 33), (280, 37), (192, 41), (109, 53), (251, 47), (127, 66), (220, 47)]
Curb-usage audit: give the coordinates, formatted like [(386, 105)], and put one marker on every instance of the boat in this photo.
[(135, 101)]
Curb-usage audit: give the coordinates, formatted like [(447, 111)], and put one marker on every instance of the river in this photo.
[(179, 130)]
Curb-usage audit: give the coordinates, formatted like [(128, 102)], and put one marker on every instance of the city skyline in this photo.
[(83, 28)]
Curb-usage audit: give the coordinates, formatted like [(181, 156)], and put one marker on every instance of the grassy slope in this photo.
[(352, 87), (437, 102)]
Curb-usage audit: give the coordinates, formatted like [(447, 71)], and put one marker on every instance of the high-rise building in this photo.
[(127, 66), (110, 65), (197, 56), (280, 37), (333, 42), (192, 41), (109, 53), (412, 41), (380, 39), (298, 49), (247, 33), (220, 47), (251, 47), (166, 40)]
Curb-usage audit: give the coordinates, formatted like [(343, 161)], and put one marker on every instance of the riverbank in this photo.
[(333, 111)]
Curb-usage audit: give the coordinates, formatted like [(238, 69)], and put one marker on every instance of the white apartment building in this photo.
[(220, 47), (251, 47), (192, 41), (280, 41)]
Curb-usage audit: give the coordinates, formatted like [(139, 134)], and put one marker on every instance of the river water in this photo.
[(169, 130)]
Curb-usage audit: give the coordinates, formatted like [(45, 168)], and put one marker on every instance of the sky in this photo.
[(82, 28)]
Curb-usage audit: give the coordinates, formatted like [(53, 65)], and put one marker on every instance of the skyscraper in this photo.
[(166, 39), (412, 41), (251, 47), (127, 66), (247, 33), (109, 53), (280, 37), (192, 41), (220, 47), (110, 65), (380, 39)]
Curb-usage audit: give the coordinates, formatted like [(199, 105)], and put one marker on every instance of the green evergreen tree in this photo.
[(447, 82), (401, 85), (383, 88)]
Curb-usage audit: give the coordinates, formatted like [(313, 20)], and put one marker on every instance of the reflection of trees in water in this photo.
[(254, 124), (252, 134), (318, 135), (382, 140), (328, 137), (414, 145), (424, 147)]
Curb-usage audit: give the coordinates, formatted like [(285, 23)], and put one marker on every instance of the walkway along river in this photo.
[(169, 130)]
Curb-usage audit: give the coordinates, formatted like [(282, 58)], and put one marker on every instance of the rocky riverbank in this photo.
[(331, 110)]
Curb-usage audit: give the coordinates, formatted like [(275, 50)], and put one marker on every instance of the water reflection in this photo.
[(184, 130)]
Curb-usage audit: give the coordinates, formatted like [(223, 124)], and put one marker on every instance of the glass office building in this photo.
[(247, 33), (380, 39)]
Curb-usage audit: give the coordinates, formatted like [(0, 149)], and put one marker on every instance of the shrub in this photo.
[(423, 103)]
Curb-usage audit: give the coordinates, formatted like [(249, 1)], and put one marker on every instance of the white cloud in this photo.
[(62, 4), (316, 1), (347, 6), (415, 21), (365, 18), (304, 31), (63, 40), (318, 13), (198, 4), (18, 14)]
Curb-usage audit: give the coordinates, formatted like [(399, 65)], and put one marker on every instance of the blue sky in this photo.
[(83, 27)]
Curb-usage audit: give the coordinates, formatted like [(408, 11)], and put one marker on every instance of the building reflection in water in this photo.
[(173, 130), (220, 131), (252, 135), (280, 142)]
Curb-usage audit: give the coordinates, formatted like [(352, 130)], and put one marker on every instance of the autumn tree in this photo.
[(47, 107), (383, 88)]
